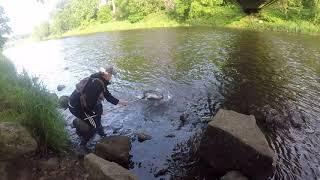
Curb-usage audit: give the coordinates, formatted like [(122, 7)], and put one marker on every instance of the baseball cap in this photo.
[(108, 69)]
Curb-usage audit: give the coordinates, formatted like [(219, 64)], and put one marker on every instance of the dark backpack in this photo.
[(82, 85)]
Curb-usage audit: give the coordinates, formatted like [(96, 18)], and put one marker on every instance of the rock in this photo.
[(161, 172), (206, 119), (66, 68), (115, 149), (60, 87), (3, 170), (83, 128), (143, 137), (15, 141), (234, 141), (234, 175), (63, 101), (50, 164), (184, 117), (170, 136), (54, 96), (100, 169)]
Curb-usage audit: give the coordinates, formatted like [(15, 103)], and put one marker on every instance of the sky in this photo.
[(24, 15)]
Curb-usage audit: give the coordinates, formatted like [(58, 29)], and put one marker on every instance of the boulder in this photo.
[(3, 170), (15, 141), (63, 101), (50, 164), (101, 169), (143, 137), (60, 87), (234, 175), (234, 141), (115, 149)]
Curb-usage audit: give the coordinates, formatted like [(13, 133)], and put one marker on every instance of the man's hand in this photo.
[(123, 103)]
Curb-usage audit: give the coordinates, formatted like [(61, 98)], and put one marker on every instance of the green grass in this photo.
[(28, 102), (272, 19), (151, 21), (220, 16)]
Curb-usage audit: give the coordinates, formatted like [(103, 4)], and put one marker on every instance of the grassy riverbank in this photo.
[(229, 17), (28, 102), (154, 20)]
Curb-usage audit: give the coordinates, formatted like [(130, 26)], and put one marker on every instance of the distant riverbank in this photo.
[(266, 21)]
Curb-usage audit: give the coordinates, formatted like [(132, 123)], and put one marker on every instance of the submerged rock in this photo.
[(143, 137), (184, 117), (101, 169), (60, 87), (161, 172), (63, 102), (234, 141), (234, 175), (15, 141), (170, 136), (152, 95), (115, 149)]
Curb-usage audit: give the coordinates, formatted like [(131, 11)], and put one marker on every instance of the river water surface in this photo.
[(274, 76)]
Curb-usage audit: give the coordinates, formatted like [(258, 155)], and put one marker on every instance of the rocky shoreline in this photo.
[(232, 146)]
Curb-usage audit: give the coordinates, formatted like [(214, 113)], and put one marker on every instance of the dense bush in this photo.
[(136, 10), (104, 14)]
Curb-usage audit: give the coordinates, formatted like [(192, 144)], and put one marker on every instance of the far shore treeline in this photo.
[(88, 16)]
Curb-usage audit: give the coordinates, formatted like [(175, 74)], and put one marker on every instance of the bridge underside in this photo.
[(253, 6)]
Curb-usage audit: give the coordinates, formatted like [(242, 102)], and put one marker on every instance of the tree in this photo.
[(182, 9), (4, 27), (104, 14), (316, 11), (113, 8), (136, 10), (74, 13), (42, 31)]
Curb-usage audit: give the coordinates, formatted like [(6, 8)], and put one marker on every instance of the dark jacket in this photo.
[(92, 90)]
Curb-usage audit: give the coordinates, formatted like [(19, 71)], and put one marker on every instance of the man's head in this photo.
[(107, 72)]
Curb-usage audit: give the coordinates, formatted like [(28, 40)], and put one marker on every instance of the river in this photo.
[(274, 76)]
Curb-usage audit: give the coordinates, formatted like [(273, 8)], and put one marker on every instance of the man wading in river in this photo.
[(86, 102)]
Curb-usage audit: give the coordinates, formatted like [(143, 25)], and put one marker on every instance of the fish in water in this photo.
[(152, 95)]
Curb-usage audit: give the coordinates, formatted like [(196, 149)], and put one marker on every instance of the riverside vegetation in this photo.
[(73, 17), (26, 101)]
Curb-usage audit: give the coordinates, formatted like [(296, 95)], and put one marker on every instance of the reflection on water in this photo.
[(273, 76)]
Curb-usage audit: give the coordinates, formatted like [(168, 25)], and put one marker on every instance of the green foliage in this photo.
[(4, 28), (104, 14), (204, 8), (73, 14), (182, 9), (42, 31), (316, 11), (136, 10), (82, 16), (28, 102)]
